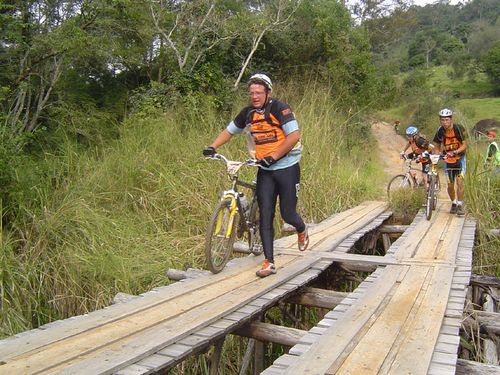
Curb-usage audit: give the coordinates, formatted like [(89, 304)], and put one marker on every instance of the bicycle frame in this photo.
[(234, 195), (410, 171), (433, 166)]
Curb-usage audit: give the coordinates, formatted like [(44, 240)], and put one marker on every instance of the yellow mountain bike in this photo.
[(235, 216)]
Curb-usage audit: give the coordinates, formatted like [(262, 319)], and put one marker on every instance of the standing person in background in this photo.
[(452, 140), (419, 148), (276, 136), (492, 159), (396, 125)]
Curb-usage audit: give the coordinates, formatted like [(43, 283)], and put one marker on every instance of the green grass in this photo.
[(479, 109), (439, 80), (120, 217)]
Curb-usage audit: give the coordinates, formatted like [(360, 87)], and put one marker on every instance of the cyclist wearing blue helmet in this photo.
[(419, 147)]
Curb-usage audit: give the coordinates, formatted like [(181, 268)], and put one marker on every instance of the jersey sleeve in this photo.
[(240, 120), (438, 137), (290, 127), (282, 112), (233, 129)]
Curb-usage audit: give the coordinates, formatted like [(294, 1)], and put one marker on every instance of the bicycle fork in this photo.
[(232, 214)]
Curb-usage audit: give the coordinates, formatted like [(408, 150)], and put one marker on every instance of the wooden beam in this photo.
[(216, 356), (488, 322), (316, 297), (386, 241), (271, 333), (123, 298), (465, 367), (484, 280), (190, 273), (241, 247), (389, 229)]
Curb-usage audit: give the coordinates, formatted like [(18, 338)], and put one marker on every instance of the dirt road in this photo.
[(390, 144)]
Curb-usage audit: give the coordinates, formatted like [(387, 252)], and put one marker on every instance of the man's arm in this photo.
[(222, 138), (290, 141)]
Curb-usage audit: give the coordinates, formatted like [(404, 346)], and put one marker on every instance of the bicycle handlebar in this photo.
[(232, 165)]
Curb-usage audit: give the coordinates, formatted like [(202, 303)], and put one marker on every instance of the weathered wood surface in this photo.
[(408, 318), (465, 367), (148, 331), (316, 297)]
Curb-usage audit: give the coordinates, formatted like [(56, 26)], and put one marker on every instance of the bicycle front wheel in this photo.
[(430, 202), (435, 183), (220, 237), (399, 184)]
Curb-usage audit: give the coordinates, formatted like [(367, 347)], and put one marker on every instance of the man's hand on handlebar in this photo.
[(209, 152)]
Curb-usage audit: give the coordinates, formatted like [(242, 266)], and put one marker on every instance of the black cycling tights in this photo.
[(282, 183)]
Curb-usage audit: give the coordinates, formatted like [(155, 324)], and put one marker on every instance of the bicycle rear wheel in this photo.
[(220, 237), (431, 196), (399, 184)]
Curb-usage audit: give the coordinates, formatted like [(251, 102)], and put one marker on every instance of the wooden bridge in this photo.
[(402, 317)]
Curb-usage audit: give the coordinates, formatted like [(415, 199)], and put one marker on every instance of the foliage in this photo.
[(491, 63), (97, 222), (482, 190)]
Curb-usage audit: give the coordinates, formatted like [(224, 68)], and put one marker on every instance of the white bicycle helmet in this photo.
[(411, 130), (261, 78), (445, 112)]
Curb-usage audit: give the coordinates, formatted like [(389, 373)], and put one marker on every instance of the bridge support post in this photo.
[(258, 364), (216, 355)]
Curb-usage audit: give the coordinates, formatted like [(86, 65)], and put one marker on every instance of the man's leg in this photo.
[(450, 178), (460, 186), (288, 181), (267, 194)]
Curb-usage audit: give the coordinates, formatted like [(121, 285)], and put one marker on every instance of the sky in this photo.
[(425, 2)]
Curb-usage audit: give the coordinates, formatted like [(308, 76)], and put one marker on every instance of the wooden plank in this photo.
[(122, 352), (425, 327), (368, 356), (440, 369), (321, 230), (33, 340), (337, 340), (134, 370), (428, 249)]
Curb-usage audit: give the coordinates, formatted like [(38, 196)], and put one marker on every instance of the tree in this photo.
[(191, 29), (276, 15), (491, 62)]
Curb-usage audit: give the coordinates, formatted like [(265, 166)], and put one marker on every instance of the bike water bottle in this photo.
[(243, 202)]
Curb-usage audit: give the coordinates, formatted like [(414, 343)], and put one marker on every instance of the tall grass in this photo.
[(114, 220), (482, 188)]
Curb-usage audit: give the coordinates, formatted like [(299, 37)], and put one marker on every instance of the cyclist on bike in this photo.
[(276, 138), (420, 148), (452, 141), (396, 125)]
